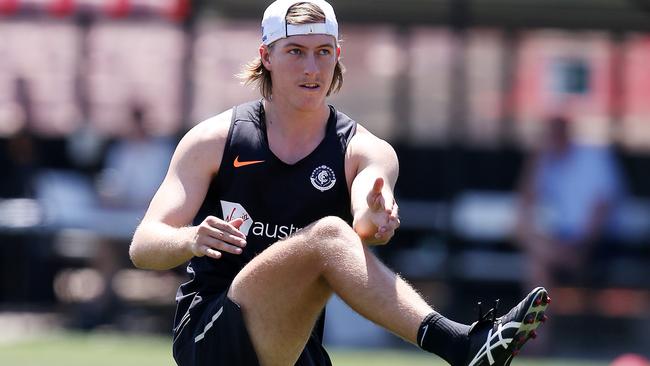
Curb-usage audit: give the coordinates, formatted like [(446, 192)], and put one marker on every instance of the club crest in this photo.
[(323, 178)]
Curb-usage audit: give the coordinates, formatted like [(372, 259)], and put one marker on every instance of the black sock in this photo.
[(444, 337)]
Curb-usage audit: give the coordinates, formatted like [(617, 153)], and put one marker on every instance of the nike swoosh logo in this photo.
[(239, 164)]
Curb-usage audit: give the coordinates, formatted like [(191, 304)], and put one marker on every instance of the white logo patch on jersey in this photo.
[(232, 210), (323, 178)]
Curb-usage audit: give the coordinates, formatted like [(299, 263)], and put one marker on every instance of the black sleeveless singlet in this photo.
[(275, 199)]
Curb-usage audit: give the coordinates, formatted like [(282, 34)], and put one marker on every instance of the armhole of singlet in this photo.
[(346, 143), (226, 149), (353, 131), (347, 137)]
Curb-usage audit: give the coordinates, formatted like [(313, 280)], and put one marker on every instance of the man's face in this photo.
[(301, 68)]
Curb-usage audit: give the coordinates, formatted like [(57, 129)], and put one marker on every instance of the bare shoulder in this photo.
[(367, 150), (205, 142), (213, 129), (365, 145), (195, 161)]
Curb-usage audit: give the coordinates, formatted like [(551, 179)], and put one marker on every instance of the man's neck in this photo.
[(292, 123), (294, 134)]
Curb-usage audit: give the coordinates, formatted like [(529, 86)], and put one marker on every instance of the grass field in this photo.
[(66, 349)]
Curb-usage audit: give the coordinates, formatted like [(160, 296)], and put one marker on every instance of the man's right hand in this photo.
[(214, 236)]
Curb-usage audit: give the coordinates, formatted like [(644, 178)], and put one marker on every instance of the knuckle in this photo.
[(202, 229), (212, 220)]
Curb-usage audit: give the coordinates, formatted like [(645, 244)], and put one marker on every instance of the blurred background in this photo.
[(522, 128)]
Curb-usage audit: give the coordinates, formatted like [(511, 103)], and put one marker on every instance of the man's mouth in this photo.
[(311, 86)]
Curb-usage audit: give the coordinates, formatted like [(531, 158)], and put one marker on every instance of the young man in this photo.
[(274, 203)]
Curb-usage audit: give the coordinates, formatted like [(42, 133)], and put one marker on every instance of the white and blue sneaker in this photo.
[(495, 341)]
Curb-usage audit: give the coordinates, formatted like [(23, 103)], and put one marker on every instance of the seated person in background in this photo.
[(18, 161), (568, 194), (134, 167)]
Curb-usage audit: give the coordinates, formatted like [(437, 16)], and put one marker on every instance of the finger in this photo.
[(385, 234), (388, 229), (382, 225), (384, 229), (222, 224), (216, 244), (380, 203), (223, 235), (394, 216), (388, 204), (236, 223), (231, 239), (226, 226), (233, 226), (378, 185), (210, 252), (394, 212), (372, 200), (393, 224), (375, 193)]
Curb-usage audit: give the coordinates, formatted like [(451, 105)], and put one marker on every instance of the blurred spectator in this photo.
[(108, 207), (111, 206), (18, 162), (134, 167), (569, 192)]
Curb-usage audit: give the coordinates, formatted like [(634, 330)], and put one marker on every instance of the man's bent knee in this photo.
[(305, 254), (333, 228), (330, 235)]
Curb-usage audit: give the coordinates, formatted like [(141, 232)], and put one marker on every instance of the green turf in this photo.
[(114, 349), (88, 350), (399, 358)]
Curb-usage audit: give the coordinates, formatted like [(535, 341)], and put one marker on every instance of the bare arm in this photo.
[(372, 169), (164, 239)]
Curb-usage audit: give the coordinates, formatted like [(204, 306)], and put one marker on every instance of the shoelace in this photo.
[(490, 316), (494, 340)]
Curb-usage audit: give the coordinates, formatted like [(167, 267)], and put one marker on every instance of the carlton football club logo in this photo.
[(323, 178)]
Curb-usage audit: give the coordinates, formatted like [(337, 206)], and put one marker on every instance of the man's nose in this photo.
[(311, 67)]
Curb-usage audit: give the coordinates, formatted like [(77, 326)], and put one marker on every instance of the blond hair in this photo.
[(254, 72)]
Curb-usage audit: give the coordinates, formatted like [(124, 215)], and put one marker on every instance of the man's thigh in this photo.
[(282, 293)]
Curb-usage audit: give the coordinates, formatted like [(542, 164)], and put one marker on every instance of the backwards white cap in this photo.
[(274, 24)]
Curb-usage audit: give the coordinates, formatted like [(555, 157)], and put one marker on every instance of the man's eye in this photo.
[(324, 52), (294, 51)]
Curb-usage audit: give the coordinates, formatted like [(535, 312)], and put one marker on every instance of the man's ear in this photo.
[(338, 52), (265, 56)]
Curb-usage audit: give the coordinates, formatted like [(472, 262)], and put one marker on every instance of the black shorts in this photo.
[(212, 332)]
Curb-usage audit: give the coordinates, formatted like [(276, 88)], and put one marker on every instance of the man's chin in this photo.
[(312, 104)]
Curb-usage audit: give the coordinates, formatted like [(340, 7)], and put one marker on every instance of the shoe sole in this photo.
[(532, 318)]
